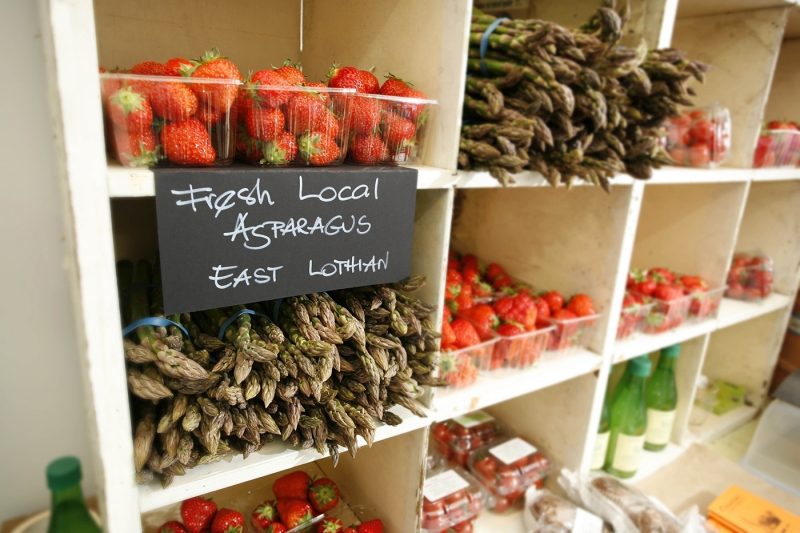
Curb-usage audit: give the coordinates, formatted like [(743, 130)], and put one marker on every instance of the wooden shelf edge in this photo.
[(715, 426), (272, 458), (501, 385), (138, 182)]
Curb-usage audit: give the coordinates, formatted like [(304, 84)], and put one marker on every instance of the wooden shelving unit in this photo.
[(579, 240)]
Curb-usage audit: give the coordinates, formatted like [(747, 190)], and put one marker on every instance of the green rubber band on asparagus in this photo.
[(484, 47), (231, 320), (157, 321)]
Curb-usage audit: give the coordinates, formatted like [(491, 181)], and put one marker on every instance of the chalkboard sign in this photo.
[(244, 234)]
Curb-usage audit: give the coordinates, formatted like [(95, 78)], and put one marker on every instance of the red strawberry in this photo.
[(275, 527), (483, 317), (329, 125), (187, 143), (213, 65), (554, 300), (130, 110), (398, 132), (294, 512), (368, 149), (171, 100), (264, 515), (581, 305), (394, 86), (323, 495), (305, 111), (448, 335), (494, 271), (268, 96), (280, 151), (350, 529), (365, 115), (137, 149), (330, 525), (317, 85), (371, 526), (208, 116), (197, 514), (247, 148), (172, 527), (465, 333), (363, 81), (178, 66), (293, 485), (227, 521), (149, 68), (318, 149), (292, 72), (264, 123), (509, 330)]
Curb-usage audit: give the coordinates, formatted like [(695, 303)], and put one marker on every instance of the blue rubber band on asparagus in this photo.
[(157, 321), (231, 319), (485, 42)]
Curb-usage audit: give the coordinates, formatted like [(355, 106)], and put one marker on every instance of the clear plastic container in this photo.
[(571, 332), (523, 350), (775, 448), (451, 496), (388, 129), (705, 305), (459, 368), (750, 277), (293, 125), (632, 319), (777, 148), (457, 438), (507, 468), (665, 315), (169, 120), (700, 137)]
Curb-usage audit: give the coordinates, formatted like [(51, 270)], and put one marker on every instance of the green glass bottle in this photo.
[(628, 422), (68, 513), (662, 398), (601, 441)]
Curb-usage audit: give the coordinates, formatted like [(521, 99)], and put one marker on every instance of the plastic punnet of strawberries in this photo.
[(455, 439), (299, 503), (452, 499), (635, 310), (675, 297), (388, 120), (750, 277), (507, 468), (180, 112), (285, 119)]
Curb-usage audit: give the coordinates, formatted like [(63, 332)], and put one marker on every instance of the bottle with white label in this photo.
[(662, 398), (601, 441), (628, 422)]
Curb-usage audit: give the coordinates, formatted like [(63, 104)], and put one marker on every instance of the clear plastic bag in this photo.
[(626, 508), (546, 512)]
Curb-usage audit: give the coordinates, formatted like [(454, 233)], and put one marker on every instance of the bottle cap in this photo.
[(640, 366), (671, 351), (63, 473)]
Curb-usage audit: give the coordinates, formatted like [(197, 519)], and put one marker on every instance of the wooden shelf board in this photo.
[(641, 344), (137, 182), (654, 461), (501, 385), (736, 311), (697, 8), (272, 458), (714, 426), (731, 312), (489, 522)]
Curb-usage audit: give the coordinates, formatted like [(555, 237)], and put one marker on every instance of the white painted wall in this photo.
[(41, 399)]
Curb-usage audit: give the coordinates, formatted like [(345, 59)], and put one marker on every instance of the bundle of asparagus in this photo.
[(326, 373), (569, 103)]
